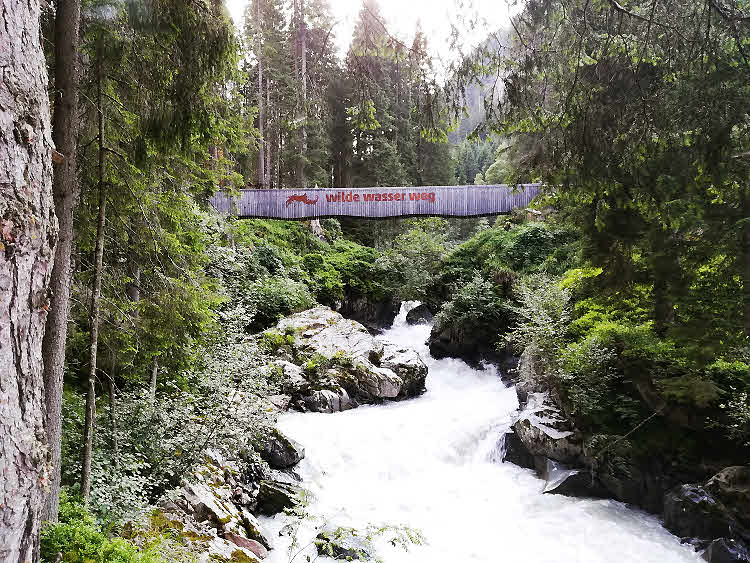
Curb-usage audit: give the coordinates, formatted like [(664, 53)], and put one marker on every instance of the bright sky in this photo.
[(436, 17)]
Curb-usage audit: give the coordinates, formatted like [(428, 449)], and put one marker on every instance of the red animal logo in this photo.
[(301, 198)]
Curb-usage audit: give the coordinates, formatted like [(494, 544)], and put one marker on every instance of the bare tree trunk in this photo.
[(301, 178), (65, 189), (88, 439), (261, 112), (152, 386), (113, 404), (28, 232), (268, 135), (745, 259)]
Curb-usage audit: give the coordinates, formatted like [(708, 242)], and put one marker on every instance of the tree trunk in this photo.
[(113, 405), (269, 135), (152, 386), (301, 178), (261, 112), (65, 189), (745, 259), (28, 233), (88, 439)]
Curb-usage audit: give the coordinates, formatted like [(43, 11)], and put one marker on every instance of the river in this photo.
[(433, 463)]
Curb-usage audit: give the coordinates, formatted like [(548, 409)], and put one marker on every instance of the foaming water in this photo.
[(432, 463)]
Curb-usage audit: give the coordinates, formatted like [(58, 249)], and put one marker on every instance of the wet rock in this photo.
[(251, 545), (732, 487), (726, 551), (279, 451), (375, 316), (254, 529), (275, 496), (341, 546), (516, 452), (570, 482), (419, 315), (328, 400), (543, 430), (691, 511)]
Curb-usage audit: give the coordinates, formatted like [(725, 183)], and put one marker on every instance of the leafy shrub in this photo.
[(476, 310), (80, 540), (415, 258), (269, 258), (324, 280), (530, 247), (272, 298)]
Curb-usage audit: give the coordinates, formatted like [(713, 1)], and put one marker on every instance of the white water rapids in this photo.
[(431, 463)]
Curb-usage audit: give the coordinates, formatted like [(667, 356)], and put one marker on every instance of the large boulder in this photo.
[(278, 450), (691, 511), (732, 487), (726, 551), (375, 315), (361, 368), (419, 315), (275, 496)]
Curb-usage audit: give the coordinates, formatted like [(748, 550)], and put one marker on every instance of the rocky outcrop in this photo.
[(726, 551), (376, 316), (215, 508), (279, 451), (713, 515), (336, 364), (275, 496), (472, 344), (419, 315)]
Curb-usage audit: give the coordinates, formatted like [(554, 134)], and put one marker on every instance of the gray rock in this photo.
[(275, 496), (726, 551), (377, 370), (279, 451), (732, 487), (254, 529), (691, 511), (516, 452), (376, 316), (419, 315), (328, 401)]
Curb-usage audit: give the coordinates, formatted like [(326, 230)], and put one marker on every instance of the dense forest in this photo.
[(137, 324)]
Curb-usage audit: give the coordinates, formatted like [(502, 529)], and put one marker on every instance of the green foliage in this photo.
[(80, 540), (475, 308), (270, 299), (415, 258)]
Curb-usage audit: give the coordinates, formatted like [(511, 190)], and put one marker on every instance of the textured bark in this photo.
[(65, 190), (113, 404), (745, 259), (152, 385), (269, 136), (261, 112), (88, 436), (302, 43), (28, 232)]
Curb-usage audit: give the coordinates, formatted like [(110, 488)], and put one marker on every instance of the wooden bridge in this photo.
[(441, 201)]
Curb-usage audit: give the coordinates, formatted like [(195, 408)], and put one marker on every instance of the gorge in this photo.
[(433, 463)]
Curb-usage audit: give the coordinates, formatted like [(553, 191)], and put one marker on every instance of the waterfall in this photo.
[(434, 463)]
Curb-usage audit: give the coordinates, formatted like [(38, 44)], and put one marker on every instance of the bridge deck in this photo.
[(442, 201)]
